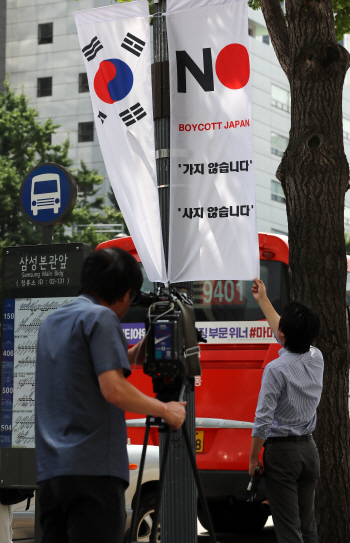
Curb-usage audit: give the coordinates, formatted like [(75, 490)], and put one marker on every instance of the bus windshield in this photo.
[(228, 300), (45, 187), (233, 300)]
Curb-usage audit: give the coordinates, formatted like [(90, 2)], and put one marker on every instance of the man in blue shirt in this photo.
[(81, 395), (285, 418)]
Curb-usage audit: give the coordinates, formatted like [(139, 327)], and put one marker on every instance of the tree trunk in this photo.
[(314, 175)]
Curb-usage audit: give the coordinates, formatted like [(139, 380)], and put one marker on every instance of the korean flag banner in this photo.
[(115, 43), (213, 225)]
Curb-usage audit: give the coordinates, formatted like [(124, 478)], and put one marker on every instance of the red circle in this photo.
[(232, 66), (106, 72)]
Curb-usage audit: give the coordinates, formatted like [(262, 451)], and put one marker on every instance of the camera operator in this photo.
[(81, 394), (285, 418)]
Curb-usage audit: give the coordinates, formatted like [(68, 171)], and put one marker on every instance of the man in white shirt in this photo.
[(285, 418)]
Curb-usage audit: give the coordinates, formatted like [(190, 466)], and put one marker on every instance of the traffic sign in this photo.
[(48, 194)]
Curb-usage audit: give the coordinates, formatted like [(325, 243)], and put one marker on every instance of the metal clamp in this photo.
[(162, 153)]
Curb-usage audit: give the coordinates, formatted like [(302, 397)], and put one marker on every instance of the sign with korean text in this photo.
[(43, 270), (213, 226), (37, 280), (115, 43), (223, 332), (22, 318)]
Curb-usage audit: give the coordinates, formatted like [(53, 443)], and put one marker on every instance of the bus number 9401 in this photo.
[(222, 292)]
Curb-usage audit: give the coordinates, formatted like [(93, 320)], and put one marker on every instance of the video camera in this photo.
[(172, 350)]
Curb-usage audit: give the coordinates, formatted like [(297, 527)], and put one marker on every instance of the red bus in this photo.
[(239, 345)]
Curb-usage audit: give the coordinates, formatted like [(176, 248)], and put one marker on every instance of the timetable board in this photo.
[(37, 280), (22, 319)]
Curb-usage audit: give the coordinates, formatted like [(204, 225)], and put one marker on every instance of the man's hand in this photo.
[(175, 414), (254, 461), (259, 290), (259, 293), (118, 391), (253, 464)]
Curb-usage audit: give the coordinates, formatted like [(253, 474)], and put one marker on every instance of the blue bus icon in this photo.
[(48, 194), (45, 193)]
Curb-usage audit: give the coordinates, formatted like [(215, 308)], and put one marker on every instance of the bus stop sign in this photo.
[(48, 194)]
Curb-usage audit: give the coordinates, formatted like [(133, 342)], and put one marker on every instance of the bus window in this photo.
[(228, 300), (137, 313), (233, 300)]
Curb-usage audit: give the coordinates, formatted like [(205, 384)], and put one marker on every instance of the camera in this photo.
[(172, 350)]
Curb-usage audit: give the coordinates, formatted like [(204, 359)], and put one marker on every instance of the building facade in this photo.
[(43, 57), (2, 42)]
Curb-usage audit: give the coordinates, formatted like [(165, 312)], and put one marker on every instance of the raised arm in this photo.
[(259, 293)]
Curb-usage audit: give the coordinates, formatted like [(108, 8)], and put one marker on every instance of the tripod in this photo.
[(163, 427)]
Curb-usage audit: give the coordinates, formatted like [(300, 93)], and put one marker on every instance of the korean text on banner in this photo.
[(213, 226), (115, 43)]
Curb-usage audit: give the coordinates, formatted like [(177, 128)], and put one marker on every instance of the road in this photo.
[(267, 535)]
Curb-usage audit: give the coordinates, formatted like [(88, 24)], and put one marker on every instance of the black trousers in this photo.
[(82, 509), (292, 469)]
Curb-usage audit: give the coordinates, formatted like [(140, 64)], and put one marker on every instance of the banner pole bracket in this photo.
[(162, 153)]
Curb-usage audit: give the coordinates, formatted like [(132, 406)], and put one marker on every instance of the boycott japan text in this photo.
[(213, 126)]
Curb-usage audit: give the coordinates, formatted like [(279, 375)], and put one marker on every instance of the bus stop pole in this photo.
[(178, 517)]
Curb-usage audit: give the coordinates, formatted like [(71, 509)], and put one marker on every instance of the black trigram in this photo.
[(133, 44), (91, 50), (102, 116), (135, 113)]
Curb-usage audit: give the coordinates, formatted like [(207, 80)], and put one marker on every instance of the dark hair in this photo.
[(110, 273), (300, 325)]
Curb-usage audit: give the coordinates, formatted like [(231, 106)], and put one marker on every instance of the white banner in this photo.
[(229, 332), (213, 226), (115, 42), (225, 332)]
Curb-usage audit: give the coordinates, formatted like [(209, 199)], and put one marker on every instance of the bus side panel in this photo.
[(228, 394)]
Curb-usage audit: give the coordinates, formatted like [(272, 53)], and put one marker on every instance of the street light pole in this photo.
[(179, 505)]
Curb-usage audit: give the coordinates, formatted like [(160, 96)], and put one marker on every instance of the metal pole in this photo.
[(37, 526), (179, 506), (47, 235)]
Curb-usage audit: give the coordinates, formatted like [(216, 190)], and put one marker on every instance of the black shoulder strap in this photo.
[(192, 349)]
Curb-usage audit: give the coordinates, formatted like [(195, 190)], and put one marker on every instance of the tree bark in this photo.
[(314, 174)]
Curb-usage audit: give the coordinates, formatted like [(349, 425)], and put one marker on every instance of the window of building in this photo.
[(346, 128), (266, 39), (85, 132), (280, 98), (278, 144), (44, 86), (277, 192), (45, 33), (83, 83)]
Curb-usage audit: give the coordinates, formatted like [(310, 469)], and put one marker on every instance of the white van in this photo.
[(45, 192)]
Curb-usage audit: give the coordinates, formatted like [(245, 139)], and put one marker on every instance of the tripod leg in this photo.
[(161, 486), (198, 482), (139, 482)]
